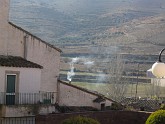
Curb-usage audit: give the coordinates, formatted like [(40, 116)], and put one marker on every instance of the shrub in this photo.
[(157, 117), (116, 106), (80, 120), (162, 107)]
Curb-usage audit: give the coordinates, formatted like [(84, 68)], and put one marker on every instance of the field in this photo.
[(104, 89)]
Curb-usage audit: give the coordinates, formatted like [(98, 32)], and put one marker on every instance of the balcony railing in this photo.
[(27, 98)]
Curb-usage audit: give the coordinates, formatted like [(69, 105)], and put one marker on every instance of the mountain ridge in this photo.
[(76, 22)]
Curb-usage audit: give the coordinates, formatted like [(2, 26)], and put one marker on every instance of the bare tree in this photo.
[(153, 90), (118, 85), (112, 67)]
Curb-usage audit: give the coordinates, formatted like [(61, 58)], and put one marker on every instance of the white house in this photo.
[(15, 41), (29, 71), (29, 66), (16, 76), (71, 95), (154, 79)]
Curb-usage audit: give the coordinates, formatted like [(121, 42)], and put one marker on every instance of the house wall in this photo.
[(49, 58), (71, 96), (160, 82), (3, 25), (27, 110), (17, 42), (29, 79)]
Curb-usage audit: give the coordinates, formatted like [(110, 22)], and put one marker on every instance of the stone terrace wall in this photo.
[(104, 117)]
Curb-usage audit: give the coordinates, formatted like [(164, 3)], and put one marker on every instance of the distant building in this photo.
[(154, 79)]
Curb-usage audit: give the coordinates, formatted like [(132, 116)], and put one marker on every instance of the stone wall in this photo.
[(27, 110), (104, 117)]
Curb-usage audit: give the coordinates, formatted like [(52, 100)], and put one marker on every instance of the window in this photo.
[(10, 89)]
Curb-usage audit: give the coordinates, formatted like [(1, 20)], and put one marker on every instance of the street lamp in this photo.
[(158, 68)]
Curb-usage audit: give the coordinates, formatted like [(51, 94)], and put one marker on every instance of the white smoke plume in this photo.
[(88, 63), (101, 77), (84, 60), (71, 73)]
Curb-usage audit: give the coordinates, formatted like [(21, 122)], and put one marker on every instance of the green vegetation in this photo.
[(80, 73), (162, 107), (157, 117), (104, 88), (80, 120), (115, 106)]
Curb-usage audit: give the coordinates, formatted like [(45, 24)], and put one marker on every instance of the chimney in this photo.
[(4, 18), (4, 11)]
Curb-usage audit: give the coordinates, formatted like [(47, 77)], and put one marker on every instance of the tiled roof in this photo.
[(15, 61), (99, 100)]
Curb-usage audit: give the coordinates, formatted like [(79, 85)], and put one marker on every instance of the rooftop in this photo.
[(15, 61)]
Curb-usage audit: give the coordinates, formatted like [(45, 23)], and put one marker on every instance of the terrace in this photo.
[(27, 98)]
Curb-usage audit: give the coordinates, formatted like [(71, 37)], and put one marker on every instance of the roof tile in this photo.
[(16, 61)]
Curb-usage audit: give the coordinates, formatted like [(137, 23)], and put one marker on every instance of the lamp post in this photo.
[(158, 68), (137, 83)]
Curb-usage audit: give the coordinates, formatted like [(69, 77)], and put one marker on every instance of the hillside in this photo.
[(96, 30)]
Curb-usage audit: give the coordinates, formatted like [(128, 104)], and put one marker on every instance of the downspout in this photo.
[(58, 82), (7, 3), (25, 46), (8, 11), (58, 91)]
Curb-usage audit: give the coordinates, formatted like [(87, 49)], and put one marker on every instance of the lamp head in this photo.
[(158, 69)]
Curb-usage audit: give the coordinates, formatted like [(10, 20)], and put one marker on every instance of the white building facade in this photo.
[(15, 41), (34, 84)]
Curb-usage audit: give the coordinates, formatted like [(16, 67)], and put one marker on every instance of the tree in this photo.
[(153, 90), (117, 82), (111, 64)]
